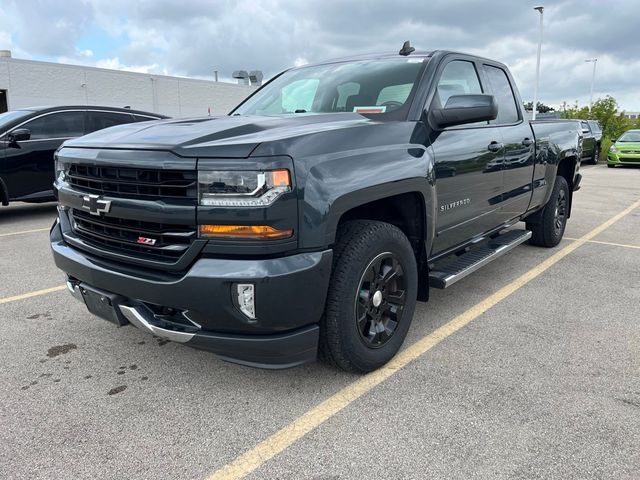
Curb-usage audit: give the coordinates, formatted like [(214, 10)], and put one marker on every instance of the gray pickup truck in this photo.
[(311, 219)]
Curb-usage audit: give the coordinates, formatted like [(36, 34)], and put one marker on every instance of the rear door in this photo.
[(31, 160), (518, 140), (468, 164)]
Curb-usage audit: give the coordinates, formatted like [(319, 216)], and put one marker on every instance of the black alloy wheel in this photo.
[(560, 216), (380, 300), (371, 296)]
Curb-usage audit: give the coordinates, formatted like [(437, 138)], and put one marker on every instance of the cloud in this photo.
[(196, 37), (115, 64)]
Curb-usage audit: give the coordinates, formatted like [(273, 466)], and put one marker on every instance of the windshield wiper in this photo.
[(300, 110)]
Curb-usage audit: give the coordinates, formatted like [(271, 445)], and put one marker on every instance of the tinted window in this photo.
[(501, 90), (100, 120), (11, 117), (458, 78), (57, 125)]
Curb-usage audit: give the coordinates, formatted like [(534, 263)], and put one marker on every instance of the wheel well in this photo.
[(566, 169), (4, 194), (407, 212)]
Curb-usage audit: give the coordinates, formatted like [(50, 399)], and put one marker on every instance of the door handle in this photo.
[(527, 142), (495, 146)]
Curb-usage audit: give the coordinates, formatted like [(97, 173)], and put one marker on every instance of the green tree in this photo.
[(542, 108), (605, 111)]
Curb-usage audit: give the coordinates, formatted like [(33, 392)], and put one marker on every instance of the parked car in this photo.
[(314, 216), (30, 136), (625, 150), (591, 141)]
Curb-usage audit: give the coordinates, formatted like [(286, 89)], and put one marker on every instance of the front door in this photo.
[(468, 166), (30, 162)]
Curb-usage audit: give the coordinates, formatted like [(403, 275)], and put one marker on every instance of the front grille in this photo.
[(630, 159), (123, 236), (133, 182)]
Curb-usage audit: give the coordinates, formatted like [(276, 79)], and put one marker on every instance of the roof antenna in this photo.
[(406, 48)]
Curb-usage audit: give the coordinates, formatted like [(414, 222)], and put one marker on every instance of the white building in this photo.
[(28, 83)]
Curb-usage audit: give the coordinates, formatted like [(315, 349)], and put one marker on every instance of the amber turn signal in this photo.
[(278, 178), (251, 232)]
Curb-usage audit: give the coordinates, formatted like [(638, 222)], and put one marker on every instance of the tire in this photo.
[(596, 155), (366, 252), (610, 165), (549, 231)]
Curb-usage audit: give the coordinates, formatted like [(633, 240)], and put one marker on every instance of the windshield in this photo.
[(630, 136), (9, 117), (377, 87)]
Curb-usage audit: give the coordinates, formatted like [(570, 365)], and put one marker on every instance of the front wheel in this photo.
[(549, 231), (371, 298)]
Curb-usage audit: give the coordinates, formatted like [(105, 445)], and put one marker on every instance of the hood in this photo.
[(223, 137), (626, 146)]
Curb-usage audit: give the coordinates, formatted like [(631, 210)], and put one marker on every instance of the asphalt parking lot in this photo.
[(540, 378)]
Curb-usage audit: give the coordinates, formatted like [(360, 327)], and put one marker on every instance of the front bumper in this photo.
[(622, 158), (290, 293)]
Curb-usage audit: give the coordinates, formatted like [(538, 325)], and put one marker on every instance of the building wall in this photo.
[(31, 83)]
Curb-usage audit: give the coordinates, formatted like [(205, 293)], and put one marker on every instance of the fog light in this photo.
[(245, 299)]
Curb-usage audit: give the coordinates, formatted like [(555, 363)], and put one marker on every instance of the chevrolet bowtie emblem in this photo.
[(95, 205)]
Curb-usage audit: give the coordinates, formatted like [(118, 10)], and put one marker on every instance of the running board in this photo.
[(477, 257)]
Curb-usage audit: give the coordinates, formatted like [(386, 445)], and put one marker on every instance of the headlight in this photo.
[(613, 149), (242, 188), (61, 169)]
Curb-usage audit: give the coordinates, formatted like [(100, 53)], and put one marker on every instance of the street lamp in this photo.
[(535, 88), (593, 80)]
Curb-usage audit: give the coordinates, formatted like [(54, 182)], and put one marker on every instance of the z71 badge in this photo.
[(457, 203), (146, 241)]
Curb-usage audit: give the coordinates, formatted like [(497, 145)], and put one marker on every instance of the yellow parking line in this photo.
[(25, 231), (608, 243), (35, 293), (285, 437)]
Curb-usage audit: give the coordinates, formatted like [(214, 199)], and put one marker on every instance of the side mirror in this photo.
[(19, 135), (614, 140), (463, 109)]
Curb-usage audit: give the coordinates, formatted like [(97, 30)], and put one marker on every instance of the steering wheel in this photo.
[(392, 104)]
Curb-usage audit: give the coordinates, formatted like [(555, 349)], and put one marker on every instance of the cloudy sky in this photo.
[(195, 37)]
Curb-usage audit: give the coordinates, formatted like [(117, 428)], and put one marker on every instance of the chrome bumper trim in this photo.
[(137, 318)]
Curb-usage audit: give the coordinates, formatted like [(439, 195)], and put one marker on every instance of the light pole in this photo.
[(593, 80), (535, 88)]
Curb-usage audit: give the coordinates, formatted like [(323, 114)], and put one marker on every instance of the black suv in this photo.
[(29, 137)]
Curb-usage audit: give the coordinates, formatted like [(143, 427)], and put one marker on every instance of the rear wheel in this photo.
[(549, 231), (371, 298)]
